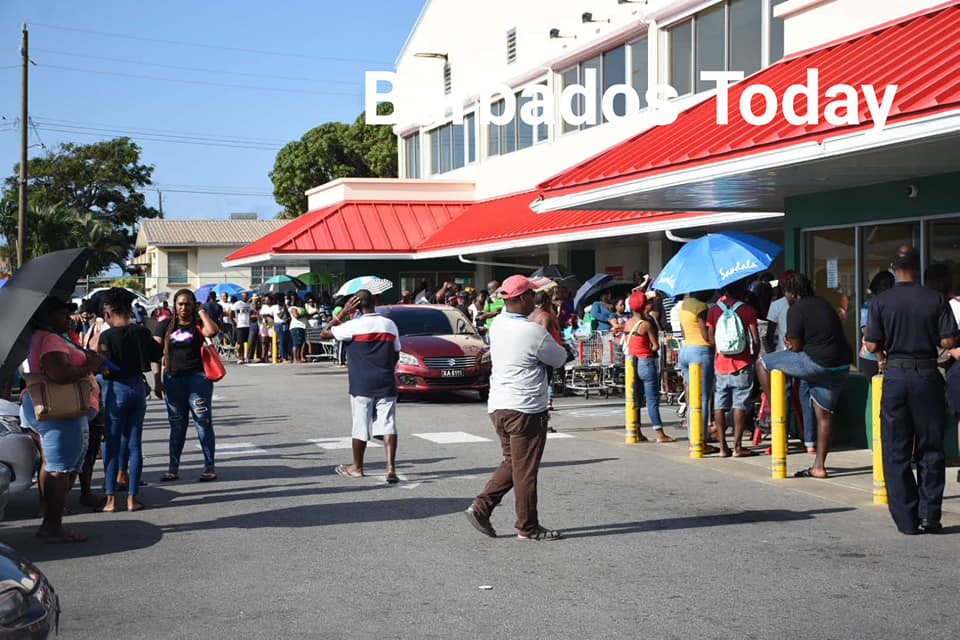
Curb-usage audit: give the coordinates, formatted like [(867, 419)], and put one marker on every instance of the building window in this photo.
[(512, 46), (568, 78), (776, 32), (447, 79), (259, 275), (596, 65), (516, 134), (452, 146), (177, 272), (639, 69), (411, 156), (615, 72), (725, 37)]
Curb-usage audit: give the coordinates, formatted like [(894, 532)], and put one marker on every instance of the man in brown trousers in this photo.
[(520, 350)]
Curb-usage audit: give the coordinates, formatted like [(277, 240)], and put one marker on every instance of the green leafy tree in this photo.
[(81, 195), (332, 150), (127, 282)]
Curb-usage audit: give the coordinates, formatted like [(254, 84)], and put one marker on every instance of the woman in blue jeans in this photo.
[(123, 394), (642, 346), (188, 392)]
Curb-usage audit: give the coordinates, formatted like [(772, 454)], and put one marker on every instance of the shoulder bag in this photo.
[(54, 401)]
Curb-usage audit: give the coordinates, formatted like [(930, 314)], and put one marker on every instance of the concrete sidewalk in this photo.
[(851, 470)]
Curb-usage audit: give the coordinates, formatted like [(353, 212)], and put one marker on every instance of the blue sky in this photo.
[(89, 84)]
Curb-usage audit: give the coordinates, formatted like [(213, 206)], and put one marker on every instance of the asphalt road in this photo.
[(282, 547)]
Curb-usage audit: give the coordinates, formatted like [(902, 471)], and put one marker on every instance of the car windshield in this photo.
[(429, 322)]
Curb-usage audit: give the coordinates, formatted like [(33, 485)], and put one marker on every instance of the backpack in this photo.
[(730, 337)]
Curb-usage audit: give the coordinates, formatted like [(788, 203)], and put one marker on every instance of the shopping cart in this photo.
[(598, 367), (672, 389)]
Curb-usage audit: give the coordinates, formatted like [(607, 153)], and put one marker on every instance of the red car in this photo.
[(440, 349)]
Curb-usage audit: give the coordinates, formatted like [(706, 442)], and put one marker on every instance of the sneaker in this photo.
[(540, 533), (480, 522)]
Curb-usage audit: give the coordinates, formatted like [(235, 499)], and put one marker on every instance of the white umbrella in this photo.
[(373, 284)]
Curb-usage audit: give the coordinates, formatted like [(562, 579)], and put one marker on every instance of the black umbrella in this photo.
[(53, 274), (552, 271)]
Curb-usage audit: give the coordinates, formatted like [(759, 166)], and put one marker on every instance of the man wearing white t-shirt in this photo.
[(240, 316), (226, 327)]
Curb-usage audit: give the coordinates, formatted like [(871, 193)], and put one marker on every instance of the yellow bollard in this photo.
[(273, 351), (695, 411), (778, 424), (879, 483), (630, 373), (246, 345)]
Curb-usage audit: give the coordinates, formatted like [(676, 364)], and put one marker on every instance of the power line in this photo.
[(204, 70), (199, 82), (86, 131), (273, 143), (218, 193), (208, 46), (35, 132)]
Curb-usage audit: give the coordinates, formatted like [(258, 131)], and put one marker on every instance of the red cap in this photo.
[(515, 286)]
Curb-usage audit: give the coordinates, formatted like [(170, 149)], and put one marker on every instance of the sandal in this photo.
[(744, 453), (392, 478), (808, 473), (540, 533), (64, 535), (342, 470), (169, 476)]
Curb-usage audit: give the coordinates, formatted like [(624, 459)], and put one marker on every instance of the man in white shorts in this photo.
[(373, 348)]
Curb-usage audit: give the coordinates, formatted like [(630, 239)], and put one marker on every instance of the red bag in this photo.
[(212, 364)]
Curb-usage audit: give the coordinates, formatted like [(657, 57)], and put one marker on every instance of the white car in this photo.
[(19, 458)]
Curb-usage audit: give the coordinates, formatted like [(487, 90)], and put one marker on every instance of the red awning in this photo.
[(352, 228), (919, 53)]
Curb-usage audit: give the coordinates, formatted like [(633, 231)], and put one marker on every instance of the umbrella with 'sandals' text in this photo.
[(714, 261)]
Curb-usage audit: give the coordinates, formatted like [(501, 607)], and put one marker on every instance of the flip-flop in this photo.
[(342, 471), (744, 453), (392, 478), (69, 535), (808, 473), (709, 448), (207, 476), (170, 476)]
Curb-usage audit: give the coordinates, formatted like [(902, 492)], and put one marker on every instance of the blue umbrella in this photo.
[(219, 289), (590, 288), (714, 261)]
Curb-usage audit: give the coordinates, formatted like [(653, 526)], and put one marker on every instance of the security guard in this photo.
[(905, 326)]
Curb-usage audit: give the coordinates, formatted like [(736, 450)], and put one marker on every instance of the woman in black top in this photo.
[(188, 392), (123, 393)]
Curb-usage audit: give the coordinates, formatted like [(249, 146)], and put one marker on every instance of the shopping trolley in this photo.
[(672, 388), (598, 367)]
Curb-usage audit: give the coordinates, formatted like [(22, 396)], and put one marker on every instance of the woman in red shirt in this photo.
[(641, 345)]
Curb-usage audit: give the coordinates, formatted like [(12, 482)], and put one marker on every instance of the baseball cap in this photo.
[(515, 286)]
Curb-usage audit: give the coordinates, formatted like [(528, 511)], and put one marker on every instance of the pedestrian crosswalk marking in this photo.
[(553, 436), (338, 443), (237, 449), (451, 437)]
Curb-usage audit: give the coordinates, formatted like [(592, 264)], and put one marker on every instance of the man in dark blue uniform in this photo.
[(905, 327)]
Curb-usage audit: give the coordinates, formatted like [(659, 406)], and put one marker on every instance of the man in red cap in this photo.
[(520, 350)]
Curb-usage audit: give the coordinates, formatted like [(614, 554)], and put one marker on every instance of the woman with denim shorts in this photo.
[(642, 344), (64, 440), (188, 391)]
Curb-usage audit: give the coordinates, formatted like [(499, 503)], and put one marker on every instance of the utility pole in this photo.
[(160, 201), (22, 208)]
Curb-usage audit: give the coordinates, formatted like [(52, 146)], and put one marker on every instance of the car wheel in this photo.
[(484, 394)]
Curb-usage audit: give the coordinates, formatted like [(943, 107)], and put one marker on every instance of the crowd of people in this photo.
[(737, 335)]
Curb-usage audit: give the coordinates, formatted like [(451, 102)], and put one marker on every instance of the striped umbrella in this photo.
[(373, 284)]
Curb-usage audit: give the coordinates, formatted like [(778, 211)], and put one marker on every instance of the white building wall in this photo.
[(203, 267), (810, 23)]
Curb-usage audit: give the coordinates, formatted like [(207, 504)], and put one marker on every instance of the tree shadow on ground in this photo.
[(332, 514), (699, 521)]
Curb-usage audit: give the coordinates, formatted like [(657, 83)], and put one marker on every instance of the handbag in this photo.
[(53, 401), (213, 367)]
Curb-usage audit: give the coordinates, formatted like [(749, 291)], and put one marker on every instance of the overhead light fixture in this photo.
[(555, 33), (587, 17), (631, 1), (437, 56)]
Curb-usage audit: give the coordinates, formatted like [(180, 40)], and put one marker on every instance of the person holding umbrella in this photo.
[(64, 440)]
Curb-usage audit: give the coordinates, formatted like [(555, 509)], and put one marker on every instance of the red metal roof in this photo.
[(510, 218), (357, 227), (920, 54)]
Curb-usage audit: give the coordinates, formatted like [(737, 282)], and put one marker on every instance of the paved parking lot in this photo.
[(656, 545)]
